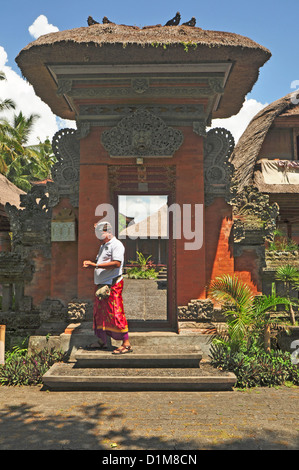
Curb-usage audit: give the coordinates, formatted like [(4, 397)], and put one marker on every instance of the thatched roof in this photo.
[(9, 192), (246, 152), (120, 44), (154, 226)]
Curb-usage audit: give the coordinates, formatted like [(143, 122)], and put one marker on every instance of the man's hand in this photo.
[(88, 263)]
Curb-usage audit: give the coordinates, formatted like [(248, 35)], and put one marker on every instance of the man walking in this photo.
[(108, 314)]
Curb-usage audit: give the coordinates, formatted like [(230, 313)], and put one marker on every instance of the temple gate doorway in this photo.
[(144, 227), (142, 100)]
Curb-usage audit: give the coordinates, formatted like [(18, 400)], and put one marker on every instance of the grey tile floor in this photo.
[(143, 300)]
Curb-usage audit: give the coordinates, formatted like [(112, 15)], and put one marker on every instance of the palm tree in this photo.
[(263, 307), (289, 275), (5, 147), (5, 104), (43, 160), (19, 162), (242, 308)]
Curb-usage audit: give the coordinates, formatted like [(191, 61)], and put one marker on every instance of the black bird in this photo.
[(106, 21), (191, 22), (174, 21), (91, 21)]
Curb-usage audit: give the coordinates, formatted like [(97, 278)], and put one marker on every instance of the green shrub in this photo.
[(21, 368), (137, 273), (144, 268), (255, 368)]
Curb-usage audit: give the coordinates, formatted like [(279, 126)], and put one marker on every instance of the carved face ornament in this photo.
[(141, 141)]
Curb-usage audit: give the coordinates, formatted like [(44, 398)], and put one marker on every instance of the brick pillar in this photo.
[(93, 192), (190, 264)]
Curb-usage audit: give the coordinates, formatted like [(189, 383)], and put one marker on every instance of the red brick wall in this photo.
[(39, 287), (190, 264), (64, 263), (55, 277), (247, 269), (219, 251), (93, 192)]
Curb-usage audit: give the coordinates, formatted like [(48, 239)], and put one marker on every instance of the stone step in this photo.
[(140, 357), (68, 376), (78, 335)]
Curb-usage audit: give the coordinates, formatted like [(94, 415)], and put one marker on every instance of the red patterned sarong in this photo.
[(109, 316)]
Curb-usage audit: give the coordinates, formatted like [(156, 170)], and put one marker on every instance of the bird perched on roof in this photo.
[(174, 21), (106, 21), (191, 22), (91, 21)]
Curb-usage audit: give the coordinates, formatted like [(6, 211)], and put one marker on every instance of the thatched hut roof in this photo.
[(120, 44), (154, 226), (9, 192), (246, 152)]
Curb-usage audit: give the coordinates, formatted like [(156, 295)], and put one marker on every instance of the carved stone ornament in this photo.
[(199, 127), (30, 225), (65, 172), (140, 85), (252, 212), (142, 134), (218, 171)]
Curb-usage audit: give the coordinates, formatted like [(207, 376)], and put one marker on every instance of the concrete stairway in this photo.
[(160, 361)]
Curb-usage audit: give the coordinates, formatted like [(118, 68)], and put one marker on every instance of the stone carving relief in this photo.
[(218, 171), (254, 217), (31, 224), (65, 173), (141, 134), (140, 85)]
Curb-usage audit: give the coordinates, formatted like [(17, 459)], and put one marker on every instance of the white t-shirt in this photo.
[(111, 251)]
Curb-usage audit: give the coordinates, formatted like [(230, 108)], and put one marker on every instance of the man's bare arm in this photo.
[(108, 265)]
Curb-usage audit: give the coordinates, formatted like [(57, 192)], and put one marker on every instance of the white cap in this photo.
[(102, 226)]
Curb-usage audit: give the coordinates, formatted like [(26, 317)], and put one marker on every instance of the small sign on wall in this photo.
[(63, 227), (63, 232)]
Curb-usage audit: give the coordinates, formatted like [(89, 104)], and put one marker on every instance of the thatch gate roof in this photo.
[(120, 44)]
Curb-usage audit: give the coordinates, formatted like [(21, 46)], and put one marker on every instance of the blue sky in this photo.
[(273, 24)]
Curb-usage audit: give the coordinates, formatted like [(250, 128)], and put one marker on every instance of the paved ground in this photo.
[(262, 418), (143, 300)]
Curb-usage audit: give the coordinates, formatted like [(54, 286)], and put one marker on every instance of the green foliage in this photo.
[(289, 275), (189, 44), (20, 368), (144, 268), (282, 243), (254, 367), (244, 312), (20, 163), (137, 273)]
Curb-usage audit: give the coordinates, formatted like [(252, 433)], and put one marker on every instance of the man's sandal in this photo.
[(123, 350)]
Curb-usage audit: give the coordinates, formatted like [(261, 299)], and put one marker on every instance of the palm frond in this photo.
[(263, 303), (230, 289), (287, 273)]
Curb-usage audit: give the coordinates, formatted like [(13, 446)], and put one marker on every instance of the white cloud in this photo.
[(140, 207), (238, 123), (22, 93), (41, 26)]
